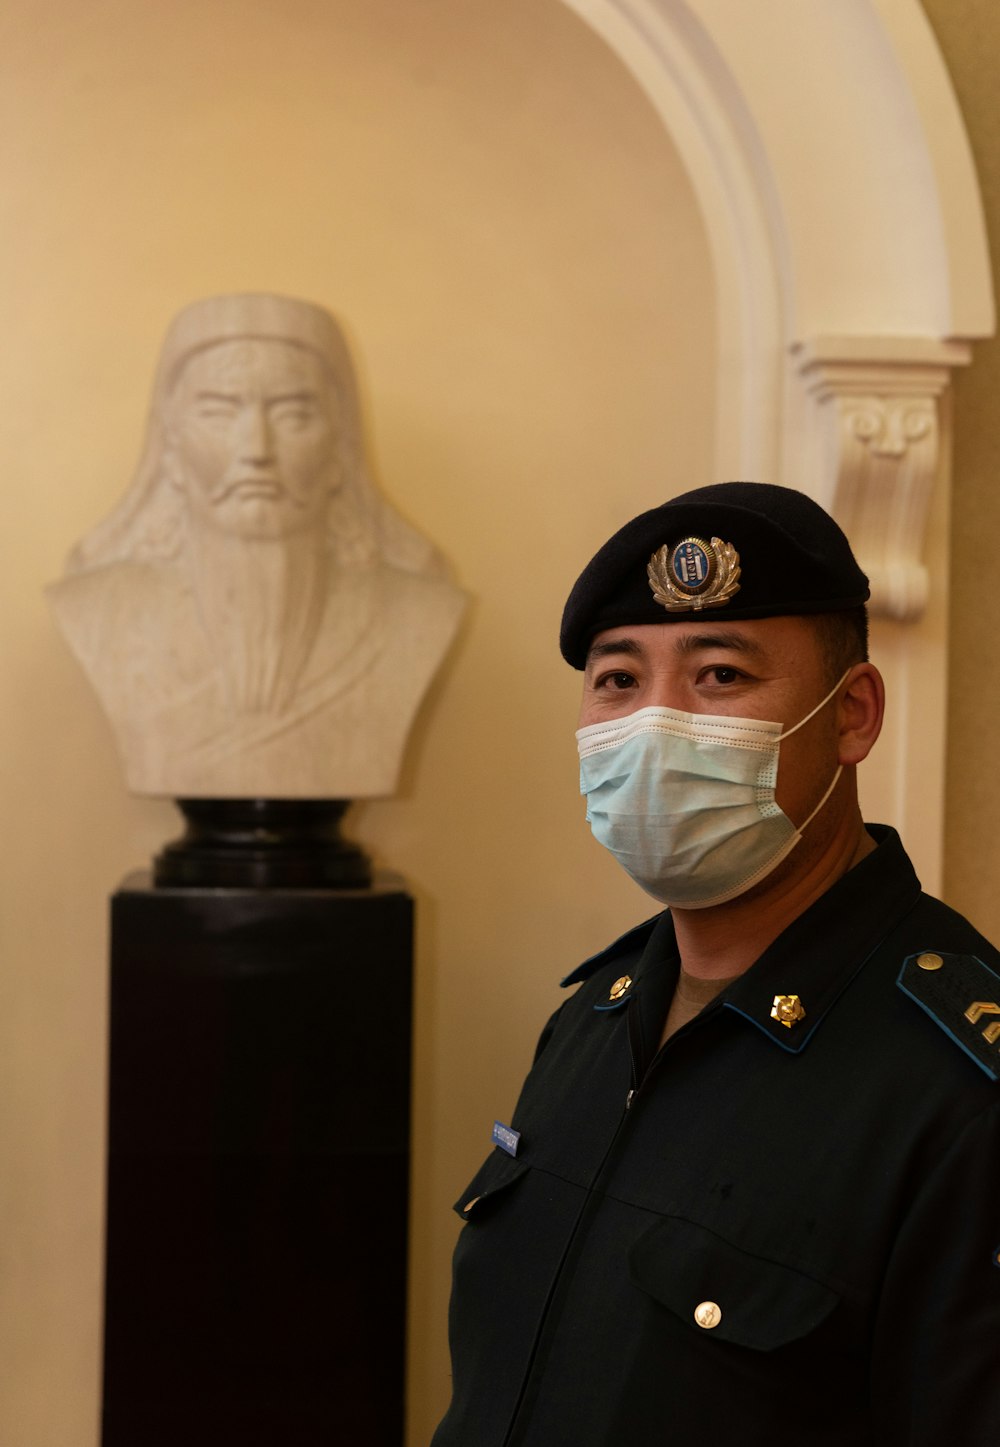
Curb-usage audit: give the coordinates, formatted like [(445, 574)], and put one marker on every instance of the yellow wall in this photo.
[(481, 193), (968, 32)]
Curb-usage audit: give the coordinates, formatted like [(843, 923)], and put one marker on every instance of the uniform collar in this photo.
[(821, 952), (815, 958), (632, 940)]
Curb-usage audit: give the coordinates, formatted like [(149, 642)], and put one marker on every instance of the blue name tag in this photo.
[(506, 1138)]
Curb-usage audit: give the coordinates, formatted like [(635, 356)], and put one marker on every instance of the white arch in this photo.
[(836, 185), (834, 177)]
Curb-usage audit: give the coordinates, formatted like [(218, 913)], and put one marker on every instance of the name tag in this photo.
[(506, 1138)]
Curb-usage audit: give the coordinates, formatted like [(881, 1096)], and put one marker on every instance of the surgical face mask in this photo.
[(685, 801)]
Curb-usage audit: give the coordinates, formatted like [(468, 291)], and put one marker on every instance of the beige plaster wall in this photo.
[(968, 32), (486, 199)]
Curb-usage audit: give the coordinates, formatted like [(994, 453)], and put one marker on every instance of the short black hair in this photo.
[(843, 639)]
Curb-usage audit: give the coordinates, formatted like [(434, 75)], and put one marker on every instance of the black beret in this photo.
[(734, 550)]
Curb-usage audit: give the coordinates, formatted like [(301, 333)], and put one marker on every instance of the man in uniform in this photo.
[(751, 1190)]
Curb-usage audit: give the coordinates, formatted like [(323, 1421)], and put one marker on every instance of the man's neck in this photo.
[(726, 940)]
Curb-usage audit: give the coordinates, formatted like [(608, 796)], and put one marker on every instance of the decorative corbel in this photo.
[(872, 434)]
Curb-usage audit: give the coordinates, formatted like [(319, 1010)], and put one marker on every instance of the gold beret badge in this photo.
[(694, 574)]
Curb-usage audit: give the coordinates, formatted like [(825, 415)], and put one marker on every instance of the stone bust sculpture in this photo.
[(255, 618)]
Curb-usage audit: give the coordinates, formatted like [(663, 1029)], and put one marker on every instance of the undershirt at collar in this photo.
[(691, 994)]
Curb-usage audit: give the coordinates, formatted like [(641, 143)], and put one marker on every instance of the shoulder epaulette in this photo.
[(962, 995), (634, 938)]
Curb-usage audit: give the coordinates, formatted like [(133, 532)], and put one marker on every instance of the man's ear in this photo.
[(861, 710)]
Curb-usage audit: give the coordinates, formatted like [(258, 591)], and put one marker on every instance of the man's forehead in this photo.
[(758, 637)]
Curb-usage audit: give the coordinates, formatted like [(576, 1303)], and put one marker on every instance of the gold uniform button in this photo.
[(708, 1314), (620, 987), (930, 962)]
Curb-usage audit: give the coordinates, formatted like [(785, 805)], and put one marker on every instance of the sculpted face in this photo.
[(252, 437)]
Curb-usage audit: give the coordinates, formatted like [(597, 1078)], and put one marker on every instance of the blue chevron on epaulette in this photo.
[(962, 995), (636, 936)]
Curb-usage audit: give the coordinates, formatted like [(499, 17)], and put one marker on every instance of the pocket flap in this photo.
[(498, 1171), (724, 1291)]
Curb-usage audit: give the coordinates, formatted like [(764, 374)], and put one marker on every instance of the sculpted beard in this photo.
[(261, 601)]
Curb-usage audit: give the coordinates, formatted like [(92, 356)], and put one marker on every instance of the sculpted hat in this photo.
[(735, 550)]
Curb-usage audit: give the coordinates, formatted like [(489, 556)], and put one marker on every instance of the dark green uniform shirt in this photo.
[(760, 1234)]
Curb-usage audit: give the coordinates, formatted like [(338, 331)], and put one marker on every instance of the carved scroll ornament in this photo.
[(875, 423)]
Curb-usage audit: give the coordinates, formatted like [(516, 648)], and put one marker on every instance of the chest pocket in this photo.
[(725, 1292), (490, 1183)]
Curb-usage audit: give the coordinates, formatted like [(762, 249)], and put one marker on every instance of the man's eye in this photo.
[(723, 674), (617, 680)]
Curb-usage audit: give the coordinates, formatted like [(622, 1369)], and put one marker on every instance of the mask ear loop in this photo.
[(822, 704), (833, 784), (840, 768)]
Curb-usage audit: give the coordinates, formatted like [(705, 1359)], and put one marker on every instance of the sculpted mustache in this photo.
[(228, 486)]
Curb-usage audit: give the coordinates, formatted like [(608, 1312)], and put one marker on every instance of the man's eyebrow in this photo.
[(722, 638), (631, 646)]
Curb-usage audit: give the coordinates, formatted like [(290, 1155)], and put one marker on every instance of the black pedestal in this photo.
[(257, 1170), (262, 844)]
